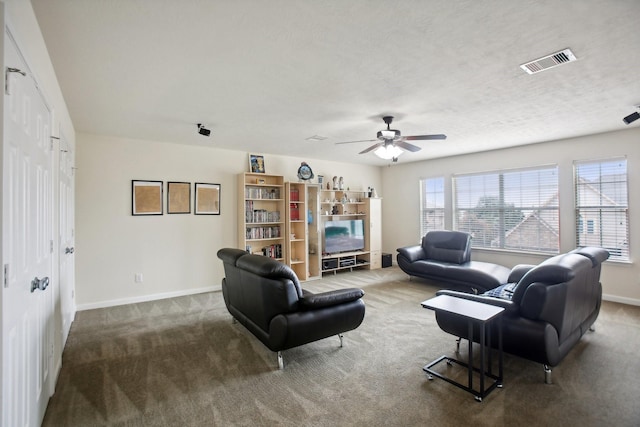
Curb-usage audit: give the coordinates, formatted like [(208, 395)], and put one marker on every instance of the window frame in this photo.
[(536, 207), (429, 201), (594, 232)]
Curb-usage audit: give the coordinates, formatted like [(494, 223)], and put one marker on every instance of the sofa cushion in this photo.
[(478, 274), (267, 267), (595, 254), (553, 270), (447, 246)]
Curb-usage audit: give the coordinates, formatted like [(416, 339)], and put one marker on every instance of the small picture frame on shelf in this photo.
[(256, 163)]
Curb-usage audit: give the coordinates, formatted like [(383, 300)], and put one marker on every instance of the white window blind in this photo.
[(602, 211), (515, 209), (431, 204)]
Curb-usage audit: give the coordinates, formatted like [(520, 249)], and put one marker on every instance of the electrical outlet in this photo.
[(138, 278)]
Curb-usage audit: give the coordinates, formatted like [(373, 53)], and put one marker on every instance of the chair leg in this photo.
[(547, 374), (340, 336), (458, 345), (280, 361)]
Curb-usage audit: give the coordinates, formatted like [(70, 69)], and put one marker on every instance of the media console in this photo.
[(345, 261)]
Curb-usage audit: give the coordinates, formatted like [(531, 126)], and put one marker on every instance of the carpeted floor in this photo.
[(182, 362)]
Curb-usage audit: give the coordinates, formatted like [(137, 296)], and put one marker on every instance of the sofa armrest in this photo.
[(412, 253), (311, 301), (509, 306), (518, 272)]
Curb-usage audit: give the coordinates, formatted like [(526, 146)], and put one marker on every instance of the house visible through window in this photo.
[(515, 209), (431, 204), (602, 212)]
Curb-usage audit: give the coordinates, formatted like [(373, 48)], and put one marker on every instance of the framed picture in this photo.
[(207, 199), (146, 197), (178, 197), (256, 163)]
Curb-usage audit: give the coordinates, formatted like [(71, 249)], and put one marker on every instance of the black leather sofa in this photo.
[(265, 296), (548, 307), (445, 257)]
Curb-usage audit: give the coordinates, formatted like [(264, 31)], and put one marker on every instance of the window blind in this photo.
[(602, 211), (514, 209), (431, 204)]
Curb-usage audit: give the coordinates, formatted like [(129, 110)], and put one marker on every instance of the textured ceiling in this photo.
[(266, 75)]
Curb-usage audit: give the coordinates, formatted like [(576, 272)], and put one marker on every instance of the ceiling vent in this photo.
[(549, 61)]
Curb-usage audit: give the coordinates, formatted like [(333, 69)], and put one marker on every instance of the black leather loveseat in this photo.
[(548, 307), (265, 296), (445, 257)]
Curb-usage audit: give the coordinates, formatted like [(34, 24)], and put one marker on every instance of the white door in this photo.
[(27, 325), (66, 236)]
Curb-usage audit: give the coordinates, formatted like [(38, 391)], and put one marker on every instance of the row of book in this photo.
[(262, 215), (272, 251), (259, 215), (263, 232), (261, 193)]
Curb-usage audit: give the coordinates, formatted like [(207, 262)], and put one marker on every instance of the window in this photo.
[(515, 209), (431, 204), (602, 214)]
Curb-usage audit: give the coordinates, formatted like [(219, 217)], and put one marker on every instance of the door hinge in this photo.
[(6, 276), (7, 75), (51, 246)]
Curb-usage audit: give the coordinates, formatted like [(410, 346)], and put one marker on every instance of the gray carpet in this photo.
[(182, 362)]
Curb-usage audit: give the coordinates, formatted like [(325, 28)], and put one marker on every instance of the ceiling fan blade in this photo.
[(407, 146), (351, 142), (425, 137), (373, 147)]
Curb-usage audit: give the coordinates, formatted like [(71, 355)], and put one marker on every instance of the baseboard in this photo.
[(622, 300), (145, 298)]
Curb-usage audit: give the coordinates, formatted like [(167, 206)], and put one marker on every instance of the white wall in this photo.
[(175, 253), (621, 282)]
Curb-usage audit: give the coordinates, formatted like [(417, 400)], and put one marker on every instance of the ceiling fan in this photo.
[(391, 143)]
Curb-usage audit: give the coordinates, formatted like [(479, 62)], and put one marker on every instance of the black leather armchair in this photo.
[(445, 257), (548, 307), (265, 296)]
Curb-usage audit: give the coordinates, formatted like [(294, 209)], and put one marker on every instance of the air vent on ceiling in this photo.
[(549, 61)]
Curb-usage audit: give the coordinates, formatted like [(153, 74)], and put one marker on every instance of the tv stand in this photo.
[(332, 263)]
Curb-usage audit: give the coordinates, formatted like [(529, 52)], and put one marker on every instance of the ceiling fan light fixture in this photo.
[(388, 152), (391, 134)]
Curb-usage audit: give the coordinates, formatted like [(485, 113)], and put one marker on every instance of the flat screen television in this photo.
[(343, 236)]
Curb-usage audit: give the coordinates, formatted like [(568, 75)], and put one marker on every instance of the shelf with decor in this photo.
[(261, 227), (342, 203), (296, 229), (314, 245), (345, 261), (350, 230)]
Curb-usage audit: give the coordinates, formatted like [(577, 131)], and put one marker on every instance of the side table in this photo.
[(483, 315)]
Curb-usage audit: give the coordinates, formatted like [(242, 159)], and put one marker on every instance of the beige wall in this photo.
[(621, 282), (175, 253)]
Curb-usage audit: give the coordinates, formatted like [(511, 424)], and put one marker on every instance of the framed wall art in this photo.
[(256, 163), (146, 197), (207, 199), (178, 197)]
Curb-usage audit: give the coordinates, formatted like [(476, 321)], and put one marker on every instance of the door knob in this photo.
[(68, 250), (39, 284)]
